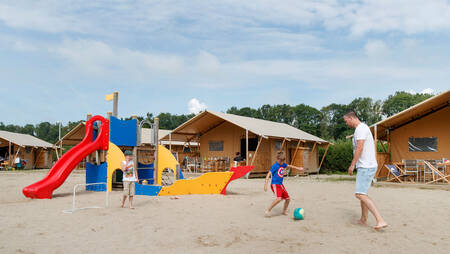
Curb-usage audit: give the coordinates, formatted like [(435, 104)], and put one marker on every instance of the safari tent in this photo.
[(421, 132), (221, 135), (180, 149), (36, 152)]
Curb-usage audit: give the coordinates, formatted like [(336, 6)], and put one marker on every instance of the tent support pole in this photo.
[(256, 152), (323, 158), (295, 152), (246, 147), (282, 144), (9, 154)]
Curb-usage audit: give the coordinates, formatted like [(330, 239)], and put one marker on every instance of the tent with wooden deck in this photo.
[(421, 132), (222, 135), (36, 152)]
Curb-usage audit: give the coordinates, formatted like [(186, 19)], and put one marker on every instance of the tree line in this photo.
[(326, 122)]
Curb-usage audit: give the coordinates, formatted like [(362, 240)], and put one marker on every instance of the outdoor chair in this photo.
[(396, 172), (437, 175), (411, 168)]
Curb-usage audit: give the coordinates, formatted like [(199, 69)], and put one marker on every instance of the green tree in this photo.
[(333, 125), (401, 101), (307, 119), (367, 110)]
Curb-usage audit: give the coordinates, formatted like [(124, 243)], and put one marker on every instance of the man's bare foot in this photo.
[(121, 206), (267, 213), (380, 225), (285, 213), (361, 222), (131, 207)]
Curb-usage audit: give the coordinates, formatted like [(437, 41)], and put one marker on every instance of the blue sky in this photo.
[(58, 58)]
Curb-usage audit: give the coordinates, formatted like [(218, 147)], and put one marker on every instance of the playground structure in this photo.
[(103, 145)]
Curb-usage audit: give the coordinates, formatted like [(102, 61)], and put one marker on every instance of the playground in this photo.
[(233, 223)]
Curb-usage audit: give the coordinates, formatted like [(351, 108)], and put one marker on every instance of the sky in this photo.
[(59, 58)]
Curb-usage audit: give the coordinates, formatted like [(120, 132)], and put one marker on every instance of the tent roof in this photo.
[(208, 120), (75, 135), (24, 139), (413, 113)]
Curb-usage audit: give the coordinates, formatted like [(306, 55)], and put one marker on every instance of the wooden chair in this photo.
[(396, 172), (437, 175)]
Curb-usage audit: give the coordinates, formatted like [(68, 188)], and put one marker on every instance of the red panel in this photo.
[(238, 173)]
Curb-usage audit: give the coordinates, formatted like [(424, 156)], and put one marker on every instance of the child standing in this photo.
[(130, 176), (277, 172)]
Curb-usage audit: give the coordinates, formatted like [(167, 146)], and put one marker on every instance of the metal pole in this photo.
[(155, 162), (246, 147), (115, 104)]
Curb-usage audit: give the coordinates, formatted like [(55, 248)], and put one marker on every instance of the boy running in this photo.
[(277, 172)]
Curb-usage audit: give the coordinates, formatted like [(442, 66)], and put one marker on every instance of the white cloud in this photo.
[(36, 18), (428, 91), (100, 58), (376, 48), (208, 62), (23, 46), (424, 91), (195, 106)]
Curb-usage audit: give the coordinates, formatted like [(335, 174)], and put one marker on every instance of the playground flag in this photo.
[(109, 97)]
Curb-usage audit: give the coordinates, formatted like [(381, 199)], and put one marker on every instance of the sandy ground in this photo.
[(419, 220)]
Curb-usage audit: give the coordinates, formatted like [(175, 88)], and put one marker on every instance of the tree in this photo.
[(333, 125), (401, 101), (367, 110), (307, 119)]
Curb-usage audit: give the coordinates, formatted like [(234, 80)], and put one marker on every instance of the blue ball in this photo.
[(299, 213)]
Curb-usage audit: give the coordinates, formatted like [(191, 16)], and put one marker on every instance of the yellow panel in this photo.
[(208, 183), (165, 160), (114, 158)]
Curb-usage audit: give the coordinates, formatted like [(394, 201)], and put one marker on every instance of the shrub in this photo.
[(338, 157)]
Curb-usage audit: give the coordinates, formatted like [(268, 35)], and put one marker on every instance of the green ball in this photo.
[(299, 213)]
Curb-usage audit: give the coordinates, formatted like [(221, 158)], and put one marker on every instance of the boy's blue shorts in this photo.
[(364, 178)]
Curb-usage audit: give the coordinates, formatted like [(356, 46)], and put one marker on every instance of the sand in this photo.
[(419, 220)]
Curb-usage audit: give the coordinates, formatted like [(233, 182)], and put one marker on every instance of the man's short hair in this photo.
[(351, 114), (281, 156)]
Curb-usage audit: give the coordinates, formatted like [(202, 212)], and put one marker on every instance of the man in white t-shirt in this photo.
[(365, 161), (130, 176)]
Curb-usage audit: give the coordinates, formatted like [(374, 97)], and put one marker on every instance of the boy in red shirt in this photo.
[(277, 172)]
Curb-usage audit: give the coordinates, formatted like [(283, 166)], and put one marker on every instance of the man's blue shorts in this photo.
[(364, 178)]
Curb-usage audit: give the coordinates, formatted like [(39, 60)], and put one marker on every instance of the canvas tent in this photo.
[(36, 152), (419, 132), (222, 135)]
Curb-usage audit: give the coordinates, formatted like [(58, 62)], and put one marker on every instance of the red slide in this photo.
[(64, 166)]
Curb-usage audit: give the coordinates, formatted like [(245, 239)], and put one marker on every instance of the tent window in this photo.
[(216, 145), (422, 144)]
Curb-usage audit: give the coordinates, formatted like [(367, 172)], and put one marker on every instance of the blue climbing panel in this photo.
[(123, 132), (96, 174)]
